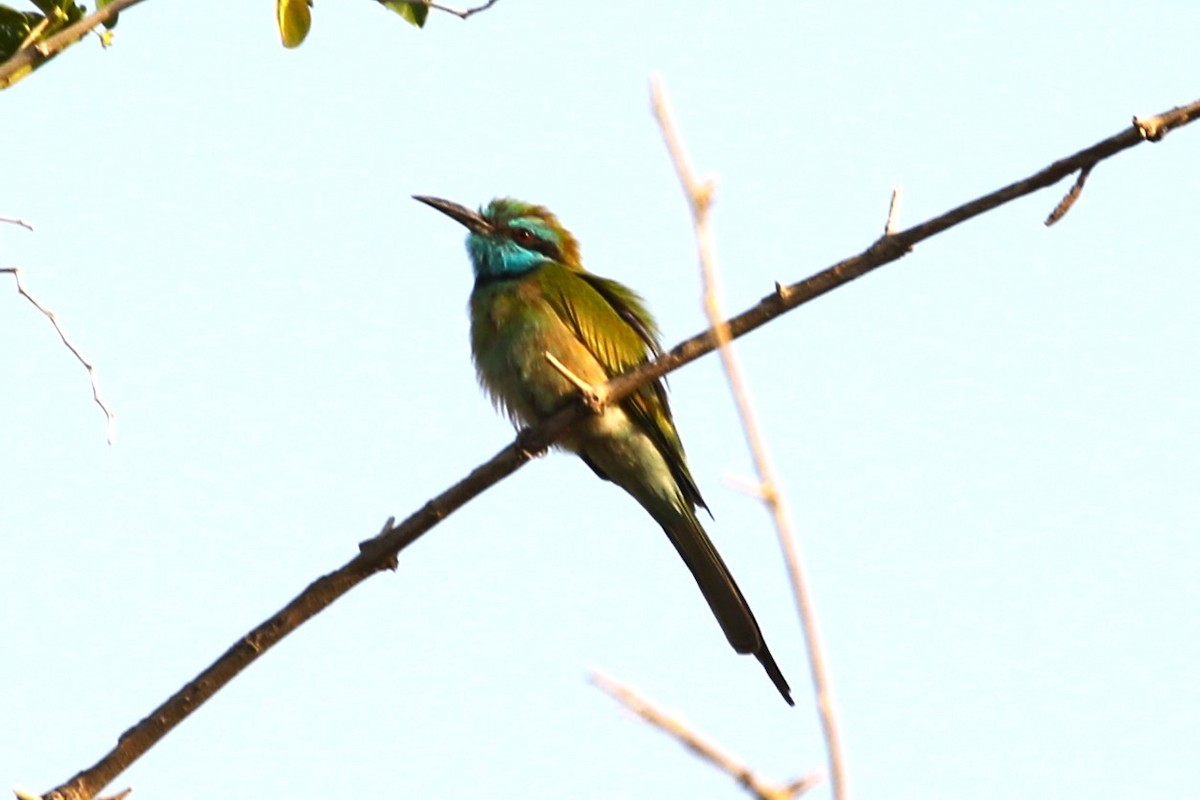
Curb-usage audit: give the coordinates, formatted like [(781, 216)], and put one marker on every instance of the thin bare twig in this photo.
[(33, 55), (109, 416), (1069, 199), (463, 14), (700, 197), (702, 747), (380, 552), (17, 221)]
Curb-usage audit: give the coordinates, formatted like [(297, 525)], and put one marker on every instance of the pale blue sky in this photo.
[(992, 448)]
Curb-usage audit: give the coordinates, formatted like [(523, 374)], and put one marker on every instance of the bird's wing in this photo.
[(614, 324)]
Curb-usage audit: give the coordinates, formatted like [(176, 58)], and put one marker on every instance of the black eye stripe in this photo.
[(529, 239)]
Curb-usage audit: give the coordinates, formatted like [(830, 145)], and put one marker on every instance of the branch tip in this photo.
[(689, 738), (19, 223), (893, 213), (699, 195)]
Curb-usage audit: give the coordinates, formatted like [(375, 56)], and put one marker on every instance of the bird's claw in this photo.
[(530, 448)]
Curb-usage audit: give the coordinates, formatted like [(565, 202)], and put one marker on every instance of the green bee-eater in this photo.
[(532, 296)]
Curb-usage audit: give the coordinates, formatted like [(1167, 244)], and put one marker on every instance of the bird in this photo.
[(533, 297)]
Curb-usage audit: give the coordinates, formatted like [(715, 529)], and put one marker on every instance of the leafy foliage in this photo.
[(17, 27), (20, 29), (294, 17), (414, 13)]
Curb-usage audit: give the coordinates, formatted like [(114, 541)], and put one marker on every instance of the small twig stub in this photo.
[(893, 213), (325, 590), (109, 416), (1070, 197)]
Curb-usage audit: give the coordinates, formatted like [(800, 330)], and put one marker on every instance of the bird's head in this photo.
[(509, 238)]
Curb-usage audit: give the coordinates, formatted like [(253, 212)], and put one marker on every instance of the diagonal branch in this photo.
[(34, 55), (700, 197), (380, 552), (702, 747)]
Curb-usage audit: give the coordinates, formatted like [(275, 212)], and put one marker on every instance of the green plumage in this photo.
[(532, 296)]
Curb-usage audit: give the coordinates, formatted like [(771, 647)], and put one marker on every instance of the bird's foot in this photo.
[(531, 449)]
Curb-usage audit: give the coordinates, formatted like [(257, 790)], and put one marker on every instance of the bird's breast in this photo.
[(512, 329)]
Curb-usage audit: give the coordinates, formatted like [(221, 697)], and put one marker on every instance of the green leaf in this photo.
[(72, 12), (61, 12), (414, 12), (294, 20)]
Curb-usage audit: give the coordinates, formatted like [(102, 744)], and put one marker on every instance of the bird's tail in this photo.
[(719, 589)]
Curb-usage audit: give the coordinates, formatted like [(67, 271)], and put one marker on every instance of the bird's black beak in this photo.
[(471, 219)]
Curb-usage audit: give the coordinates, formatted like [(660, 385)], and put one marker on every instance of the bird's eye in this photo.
[(523, 236)]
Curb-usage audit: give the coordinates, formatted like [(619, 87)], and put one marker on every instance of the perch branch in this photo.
[(378, 553)]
